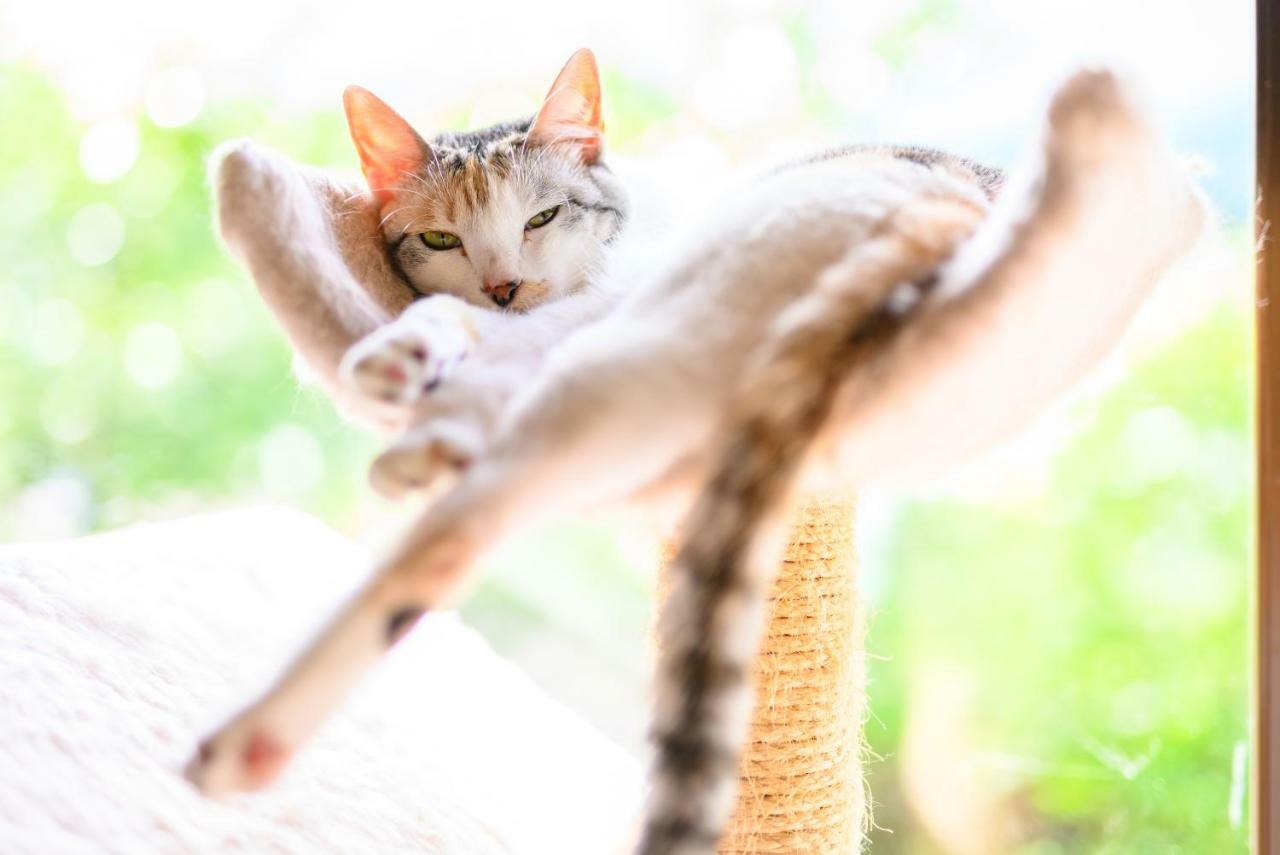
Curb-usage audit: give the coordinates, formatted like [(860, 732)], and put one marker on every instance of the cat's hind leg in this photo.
[(248, 752), (556, 454), (710, 628)]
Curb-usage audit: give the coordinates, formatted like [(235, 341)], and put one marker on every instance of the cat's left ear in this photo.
[(571, 112)]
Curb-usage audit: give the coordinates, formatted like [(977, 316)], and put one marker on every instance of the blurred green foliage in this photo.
[(1098, 631), (1092, 640), (71, 406)]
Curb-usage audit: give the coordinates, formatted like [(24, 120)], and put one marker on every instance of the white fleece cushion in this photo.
[(118, 651)]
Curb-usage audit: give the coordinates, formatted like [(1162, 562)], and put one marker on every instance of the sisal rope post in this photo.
[(801, 788)]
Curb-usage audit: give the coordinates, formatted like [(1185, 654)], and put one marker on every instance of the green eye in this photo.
[(441, 240), (541, 218)]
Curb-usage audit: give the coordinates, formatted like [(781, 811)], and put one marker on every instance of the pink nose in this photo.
[(501, 292)]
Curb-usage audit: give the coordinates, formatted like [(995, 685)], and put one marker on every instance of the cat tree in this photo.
[(800, 783), (800, 779)]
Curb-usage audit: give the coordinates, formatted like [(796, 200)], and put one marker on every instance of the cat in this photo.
[(474, 229), (510, 216), (861, 316)]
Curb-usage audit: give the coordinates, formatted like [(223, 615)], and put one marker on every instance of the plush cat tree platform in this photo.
[(117, 650)]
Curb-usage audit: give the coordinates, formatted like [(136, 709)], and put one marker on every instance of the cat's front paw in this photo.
[(424, 457), (400, 363)]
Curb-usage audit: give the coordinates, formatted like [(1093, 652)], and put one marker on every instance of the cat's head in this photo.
[(510, 215)]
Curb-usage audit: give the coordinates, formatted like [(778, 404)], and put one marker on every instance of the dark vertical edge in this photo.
[(1266, 766)]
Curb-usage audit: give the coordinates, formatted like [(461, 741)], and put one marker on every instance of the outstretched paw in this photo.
[(1094, 120), (1113, 163), (400, 363), (244, 755), (423, 457)]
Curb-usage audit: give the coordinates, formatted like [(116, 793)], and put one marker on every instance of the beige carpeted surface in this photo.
[(118, 651)]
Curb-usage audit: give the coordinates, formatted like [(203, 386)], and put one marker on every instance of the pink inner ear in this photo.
[(571, 111), (387, 145)]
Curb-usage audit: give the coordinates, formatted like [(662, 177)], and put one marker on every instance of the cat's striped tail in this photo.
[(710, 628)]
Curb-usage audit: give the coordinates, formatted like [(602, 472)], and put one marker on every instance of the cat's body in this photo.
[(809, 328), (724, 287)]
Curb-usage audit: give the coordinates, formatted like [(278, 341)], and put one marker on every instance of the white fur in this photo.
[(672, 349), (113, 648), (496, 246)]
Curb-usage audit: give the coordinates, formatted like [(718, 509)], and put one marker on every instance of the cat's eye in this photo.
[(441, 240), (541, 218)]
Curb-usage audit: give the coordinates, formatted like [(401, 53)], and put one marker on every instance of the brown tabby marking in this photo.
[(848, 319), (401, 622)]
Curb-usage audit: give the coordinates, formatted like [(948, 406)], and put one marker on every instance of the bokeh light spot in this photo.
[(152, 355), (59, 505), (1159, 443), (56, 332), (857, 80), (175, 96), (290, 461), (13, 310), (754, 81), (150, 186), (215, 318), (68, 412), (95, 234), (109, 149)]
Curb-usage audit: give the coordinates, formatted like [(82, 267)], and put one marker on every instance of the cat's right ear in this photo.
[(387, 145), (571, 112)]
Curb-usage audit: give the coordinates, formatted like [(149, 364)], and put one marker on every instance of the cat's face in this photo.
[(506, 216)]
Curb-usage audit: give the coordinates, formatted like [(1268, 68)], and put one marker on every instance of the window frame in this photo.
[(1266, 727)]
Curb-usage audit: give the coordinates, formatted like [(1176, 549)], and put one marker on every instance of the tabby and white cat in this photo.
[(489, 223), (505, 217), (812, 327)]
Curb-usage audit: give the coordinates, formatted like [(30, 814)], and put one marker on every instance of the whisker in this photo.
[(389, 215)]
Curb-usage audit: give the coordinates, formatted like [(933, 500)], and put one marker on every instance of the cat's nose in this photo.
[(501, 293)]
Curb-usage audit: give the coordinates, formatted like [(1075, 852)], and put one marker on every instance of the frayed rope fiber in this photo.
[(801, 788)]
